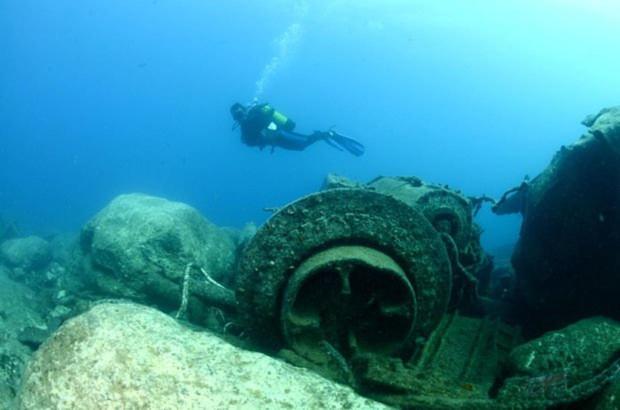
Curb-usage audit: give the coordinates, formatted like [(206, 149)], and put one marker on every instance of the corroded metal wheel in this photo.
[(346, 270)]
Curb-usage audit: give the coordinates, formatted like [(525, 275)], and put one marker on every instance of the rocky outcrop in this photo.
[(585, 347), (18, 310), (608, 399), (121, 354), (565, 366), (30, 253), (139, 246), (607, 123)]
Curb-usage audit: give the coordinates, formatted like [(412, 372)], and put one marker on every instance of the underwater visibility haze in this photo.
[(100, 99)]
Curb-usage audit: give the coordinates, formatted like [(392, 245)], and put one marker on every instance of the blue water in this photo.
[(99, 98)]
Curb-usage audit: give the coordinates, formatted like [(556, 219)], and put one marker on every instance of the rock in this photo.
[(139, 247), (33, 336), (60, 312), (608, 399), (584, 347), (19, 307), (606, 124), (127, 355), (7, 229), (247, 233), (64, 247), (57, 316), (30, 253), (567, 365), (11, 367), (241, 236)]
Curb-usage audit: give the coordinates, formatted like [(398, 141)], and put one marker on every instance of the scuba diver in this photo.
[(261, 125)]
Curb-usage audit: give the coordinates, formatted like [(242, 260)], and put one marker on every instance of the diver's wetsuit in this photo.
[(297, 142), (262, 126), (259, 130)]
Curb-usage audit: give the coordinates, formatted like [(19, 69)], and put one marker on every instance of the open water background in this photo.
[(99, 98)]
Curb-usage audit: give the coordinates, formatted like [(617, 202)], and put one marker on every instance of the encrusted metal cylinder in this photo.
[(448, 211), (567, 259), (356, 298), (451, 214), (345, 271)]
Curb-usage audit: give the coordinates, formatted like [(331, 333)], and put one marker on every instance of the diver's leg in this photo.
[(294, 141), (298, 142)]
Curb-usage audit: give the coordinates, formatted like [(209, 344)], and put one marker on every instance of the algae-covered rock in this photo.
[(18, 309), (580, 349), (608, 399), (7, 229), (607, 124), (140, 246), (64, 246), (28, 253), (567, 365), (130, 356)]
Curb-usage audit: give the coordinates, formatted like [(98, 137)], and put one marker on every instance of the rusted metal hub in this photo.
[(355, 298)]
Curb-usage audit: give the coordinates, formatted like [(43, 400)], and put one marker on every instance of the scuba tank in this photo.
[(281, 120)]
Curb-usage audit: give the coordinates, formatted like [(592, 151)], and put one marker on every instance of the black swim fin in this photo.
[(342, 142)]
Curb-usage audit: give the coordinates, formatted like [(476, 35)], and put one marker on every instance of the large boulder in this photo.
[(130, 356), (581, 349), (30, 253), (566, 366), (139, 248)]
